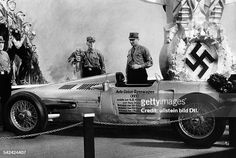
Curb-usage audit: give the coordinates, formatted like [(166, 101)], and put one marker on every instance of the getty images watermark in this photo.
[(153, 105), (158, 102), (14, 152)]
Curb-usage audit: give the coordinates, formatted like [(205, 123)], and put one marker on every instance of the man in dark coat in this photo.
[(138, 60), (90, 61)]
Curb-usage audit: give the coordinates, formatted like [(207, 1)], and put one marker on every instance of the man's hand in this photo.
[(136, 66)]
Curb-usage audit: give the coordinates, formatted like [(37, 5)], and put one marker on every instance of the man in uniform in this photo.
[(90, 61), (138, 60), (5, 78)]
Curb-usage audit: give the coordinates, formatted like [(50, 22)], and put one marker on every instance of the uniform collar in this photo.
[(136, 46), (90, 50)]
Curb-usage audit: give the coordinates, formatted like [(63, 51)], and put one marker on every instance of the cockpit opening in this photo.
[(120, 82)]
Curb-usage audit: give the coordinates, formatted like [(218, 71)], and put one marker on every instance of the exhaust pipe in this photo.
[(53, 116)]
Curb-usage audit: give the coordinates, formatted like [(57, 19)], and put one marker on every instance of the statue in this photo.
[(194, 44), (19, 37), (76, 64)]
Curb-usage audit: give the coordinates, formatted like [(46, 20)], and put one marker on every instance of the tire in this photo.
[(202, 128), (26, 114)]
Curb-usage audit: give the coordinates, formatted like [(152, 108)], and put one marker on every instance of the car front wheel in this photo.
[(26, 114)]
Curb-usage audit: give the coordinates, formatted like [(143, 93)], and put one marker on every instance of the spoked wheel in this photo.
[(199, 126), (26, 114)]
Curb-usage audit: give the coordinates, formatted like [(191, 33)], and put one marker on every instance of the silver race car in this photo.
[(189, 106)]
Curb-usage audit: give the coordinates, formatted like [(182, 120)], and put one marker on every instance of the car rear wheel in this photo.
[(199, 126), (26, 114)]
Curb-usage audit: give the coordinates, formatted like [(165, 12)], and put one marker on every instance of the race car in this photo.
[(190, 107)]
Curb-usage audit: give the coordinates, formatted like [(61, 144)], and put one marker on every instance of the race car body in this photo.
[(189, 106)]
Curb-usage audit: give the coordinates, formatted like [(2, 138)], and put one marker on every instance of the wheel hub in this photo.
[(24, 114), (196, 121)]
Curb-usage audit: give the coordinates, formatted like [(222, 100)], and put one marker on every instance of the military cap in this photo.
[(90, 39), (133, 35)]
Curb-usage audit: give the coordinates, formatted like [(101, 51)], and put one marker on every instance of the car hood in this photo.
[(72, 90)]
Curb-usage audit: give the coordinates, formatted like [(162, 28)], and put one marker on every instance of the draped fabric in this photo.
[(206, 9), (179, 3), (210, 5)]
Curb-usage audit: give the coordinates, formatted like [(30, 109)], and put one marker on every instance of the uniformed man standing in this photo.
[(138, 60), (90, 61), (5, 78)]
